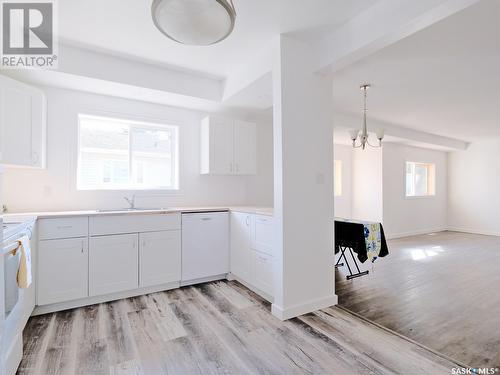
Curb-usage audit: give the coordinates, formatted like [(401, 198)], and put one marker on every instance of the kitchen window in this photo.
[(420, 179), (116, 154), (337, 178)]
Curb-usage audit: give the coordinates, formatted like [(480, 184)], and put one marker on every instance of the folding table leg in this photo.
[(342, 255), (359, 274)]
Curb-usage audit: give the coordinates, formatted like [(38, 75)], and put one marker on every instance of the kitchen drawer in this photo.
[(51, 229), (133, 223), (263, 234), (263, 272)]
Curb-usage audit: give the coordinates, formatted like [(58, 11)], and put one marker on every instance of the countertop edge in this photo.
[(67, 214)]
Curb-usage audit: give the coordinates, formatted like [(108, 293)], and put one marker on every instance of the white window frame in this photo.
[(133, 124), (431, 180)]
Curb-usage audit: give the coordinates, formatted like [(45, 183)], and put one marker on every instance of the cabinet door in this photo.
[(263, 234), (241, 254), (263, 269), (245, 148), (22, 124), (159, 258), (217, 146), (62, 270), (113, 264)]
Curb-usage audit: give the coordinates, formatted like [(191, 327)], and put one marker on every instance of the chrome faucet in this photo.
[(130, 201)]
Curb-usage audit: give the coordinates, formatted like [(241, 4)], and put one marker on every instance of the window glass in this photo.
[(420, 179), (120, 154)]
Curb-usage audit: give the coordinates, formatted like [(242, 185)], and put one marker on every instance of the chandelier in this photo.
[(194, 22), (360, 137)]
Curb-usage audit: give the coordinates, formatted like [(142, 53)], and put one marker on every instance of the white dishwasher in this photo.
[(205, 246)]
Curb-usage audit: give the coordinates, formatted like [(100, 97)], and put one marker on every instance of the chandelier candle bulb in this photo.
[(354, 134), (380, 134)]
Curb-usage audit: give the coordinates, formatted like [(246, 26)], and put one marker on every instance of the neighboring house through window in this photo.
[(117, 154)]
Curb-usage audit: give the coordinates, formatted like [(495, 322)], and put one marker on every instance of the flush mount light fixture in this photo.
[(360, 137), (194, 22)]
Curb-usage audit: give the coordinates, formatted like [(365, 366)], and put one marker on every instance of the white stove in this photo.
[(14, 228), (18, 303)]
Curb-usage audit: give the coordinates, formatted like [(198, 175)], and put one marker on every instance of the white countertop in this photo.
[(46, 215), (268, 211)]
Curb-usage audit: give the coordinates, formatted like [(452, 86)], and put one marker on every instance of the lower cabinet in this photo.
[(252, 251), (263, 234), (62, 270), (263, 273), (241, 254), (159, 258), (113, 264)]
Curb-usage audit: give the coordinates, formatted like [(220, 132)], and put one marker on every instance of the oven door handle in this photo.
[(11, 249)]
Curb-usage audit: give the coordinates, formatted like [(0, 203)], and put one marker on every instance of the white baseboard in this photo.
[(436, 230), (267, 297), (297, 310), (203, 280), (393, 236), (473, 231)]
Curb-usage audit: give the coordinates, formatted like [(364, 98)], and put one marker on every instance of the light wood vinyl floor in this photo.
[(441, 290), (214, 328)]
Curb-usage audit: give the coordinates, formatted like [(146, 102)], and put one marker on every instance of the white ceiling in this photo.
[(124, 27), (443, 80)]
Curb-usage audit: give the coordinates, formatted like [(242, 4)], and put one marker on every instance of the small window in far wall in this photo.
[(116, 154), (337, 177), (420, 179)]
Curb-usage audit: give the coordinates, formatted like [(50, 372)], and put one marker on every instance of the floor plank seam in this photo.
[(435, 352)]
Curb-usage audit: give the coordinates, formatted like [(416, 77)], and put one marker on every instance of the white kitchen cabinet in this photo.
[(252, 251), (228, 147), (133, 223), (263, 234), (23, 117), (245, 148), (241, 253), (113, 264), (55, 228), (205, 245), (263, 272), (216, 146), (62, 270), (159, 258)]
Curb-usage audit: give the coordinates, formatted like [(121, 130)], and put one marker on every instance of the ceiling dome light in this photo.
[(194, 22)]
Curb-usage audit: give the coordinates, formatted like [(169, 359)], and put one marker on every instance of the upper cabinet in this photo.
[(228, 147), (23, 117)]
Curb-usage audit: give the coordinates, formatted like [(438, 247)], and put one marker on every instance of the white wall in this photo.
[(367, 191), (378, 190), (408, 216), (343, 203), (260, 189), (303, 183), (474, 188), (55, 188)]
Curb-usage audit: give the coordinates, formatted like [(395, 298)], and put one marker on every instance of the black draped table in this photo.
[(366, 239)]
